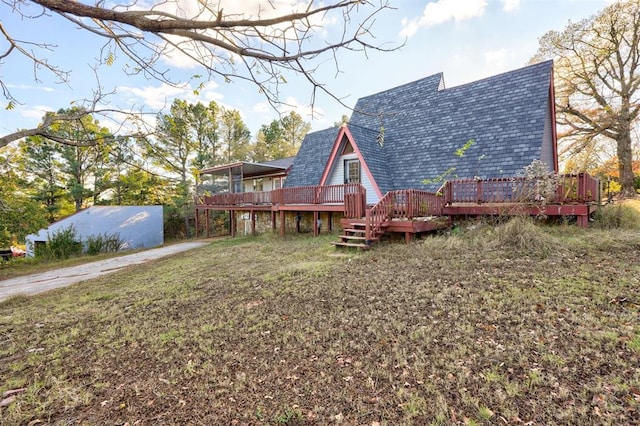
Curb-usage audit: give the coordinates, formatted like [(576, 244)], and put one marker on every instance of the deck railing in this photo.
[(580, 188), (404, 204), (411, 203), (235, 199), (353, 196)]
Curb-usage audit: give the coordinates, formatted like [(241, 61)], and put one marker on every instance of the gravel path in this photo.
[(38, 283)]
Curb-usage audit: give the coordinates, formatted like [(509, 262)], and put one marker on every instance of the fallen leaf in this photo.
[(7, 401)]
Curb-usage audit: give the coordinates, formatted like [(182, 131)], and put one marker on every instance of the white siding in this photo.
[(336, 177)]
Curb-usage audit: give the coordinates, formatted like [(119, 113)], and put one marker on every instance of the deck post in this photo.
[(407, 237), (273, 221), (207, 224), (479, 191), (583, 221), (329, 224), (316, 231), (253, 222), (232, 223), (282, 223), (367, 224), (196, 222)]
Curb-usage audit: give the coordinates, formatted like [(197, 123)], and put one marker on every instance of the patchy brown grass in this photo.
[(475, 328)]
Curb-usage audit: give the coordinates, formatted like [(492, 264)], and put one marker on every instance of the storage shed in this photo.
[(136, 226)]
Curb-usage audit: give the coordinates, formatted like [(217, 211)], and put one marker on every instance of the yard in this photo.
[(517, 324)]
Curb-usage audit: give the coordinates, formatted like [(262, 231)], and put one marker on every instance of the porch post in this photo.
[(282, 223), (232, 223), (197, 211), (330, 225), (273, 221), (208, 213), (253, 222), (316, 231)]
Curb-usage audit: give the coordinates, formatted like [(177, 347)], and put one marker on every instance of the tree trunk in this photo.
[(625, 164)]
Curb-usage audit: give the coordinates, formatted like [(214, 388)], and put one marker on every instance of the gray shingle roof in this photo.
[(312, 157), (424, 124)]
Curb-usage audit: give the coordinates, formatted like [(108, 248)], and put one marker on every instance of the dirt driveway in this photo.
[(45, 281)]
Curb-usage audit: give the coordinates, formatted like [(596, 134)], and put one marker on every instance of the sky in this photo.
[(466, 40)]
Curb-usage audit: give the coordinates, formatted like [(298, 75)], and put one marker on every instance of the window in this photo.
[(257, 185), (352, 171)]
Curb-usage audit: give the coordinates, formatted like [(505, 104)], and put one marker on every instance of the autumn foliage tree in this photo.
[(597, 82)]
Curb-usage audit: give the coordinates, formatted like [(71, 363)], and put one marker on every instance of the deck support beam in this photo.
[(316, 218), (232, 222), (253, 222), (282, 223), (196, 218)]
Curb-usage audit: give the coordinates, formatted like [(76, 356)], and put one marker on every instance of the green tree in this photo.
[(82, 164), (235, 136), (204, 123), (281, 138), (173, 150), (597, 81), (20, 214), (41, 161), (268, 142)]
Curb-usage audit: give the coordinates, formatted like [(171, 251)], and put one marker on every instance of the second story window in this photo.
[(352, 171)]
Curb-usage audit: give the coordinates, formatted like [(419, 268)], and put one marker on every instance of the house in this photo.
[(402, 145), (401, 137), (136, 226)]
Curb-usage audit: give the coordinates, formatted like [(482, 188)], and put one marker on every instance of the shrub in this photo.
[(61, 244), (105, 243), (521, 234), (623, 216)]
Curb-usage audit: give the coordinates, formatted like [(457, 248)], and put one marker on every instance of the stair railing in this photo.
[(378, 215)]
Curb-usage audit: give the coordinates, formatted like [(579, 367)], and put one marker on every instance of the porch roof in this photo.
[(249, 169)]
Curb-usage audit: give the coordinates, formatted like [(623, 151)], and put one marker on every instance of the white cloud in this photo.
[(159, 97), (29, 87), (36, 112), (441, 11), (183, 51), (510, 5), (262, 108), (305, 111)]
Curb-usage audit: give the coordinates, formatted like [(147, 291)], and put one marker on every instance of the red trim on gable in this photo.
[(333, 155), (344, 131), (554, 131)]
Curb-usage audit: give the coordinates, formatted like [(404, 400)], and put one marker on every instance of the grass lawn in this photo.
[(517, 324)]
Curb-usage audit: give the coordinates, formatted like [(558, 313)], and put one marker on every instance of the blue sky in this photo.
[(465, 39)]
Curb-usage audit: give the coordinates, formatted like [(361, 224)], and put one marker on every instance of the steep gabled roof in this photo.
[(312, 158), (508, 117), (372, 148)]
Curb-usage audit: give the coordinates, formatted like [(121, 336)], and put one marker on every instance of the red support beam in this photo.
[(282, 223)]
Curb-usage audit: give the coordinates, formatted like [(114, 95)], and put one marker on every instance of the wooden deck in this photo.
[(411, 211)]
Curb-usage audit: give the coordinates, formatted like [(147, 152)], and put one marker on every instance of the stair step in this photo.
[(359, 245), (353, 237), (353, 230)]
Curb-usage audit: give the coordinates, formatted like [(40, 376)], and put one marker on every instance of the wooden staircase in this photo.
[(354, 235), (393, 213)]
